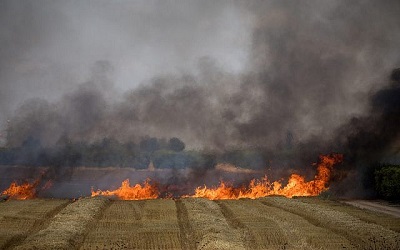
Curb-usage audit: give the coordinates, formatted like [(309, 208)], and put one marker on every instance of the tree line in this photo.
[(108, 152)]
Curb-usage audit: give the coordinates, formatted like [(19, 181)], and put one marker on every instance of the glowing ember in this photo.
[(21, 192), (127, 192), (297, 185), (47, 185)]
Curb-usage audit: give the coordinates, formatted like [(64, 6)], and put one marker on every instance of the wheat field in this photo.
[(194, 223)]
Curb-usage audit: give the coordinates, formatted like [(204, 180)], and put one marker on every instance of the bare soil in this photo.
[(377, 206), (266, 223)]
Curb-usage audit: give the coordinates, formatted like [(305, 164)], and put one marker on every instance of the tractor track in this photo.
[(360, 233), (194, 223), (92, 224), (66, 230), (29, 213), (186, 231), (248, 237)]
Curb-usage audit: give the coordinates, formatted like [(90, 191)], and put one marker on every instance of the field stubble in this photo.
[(362, 234), (194, 223)]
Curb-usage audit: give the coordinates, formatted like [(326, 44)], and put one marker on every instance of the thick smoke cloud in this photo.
[(369, 140), (316, 64), (48, 47), (301, 77), (312, 67)]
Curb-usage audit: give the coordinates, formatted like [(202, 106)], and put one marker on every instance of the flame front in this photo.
[(297, 185), (127, 192), (21, 192)]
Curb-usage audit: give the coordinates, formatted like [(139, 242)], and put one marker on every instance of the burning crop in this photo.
[(127, 192), (296, 186), (22, 191), (26, 190), (218, 98)]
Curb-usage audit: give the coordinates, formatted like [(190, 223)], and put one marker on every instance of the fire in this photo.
[(127, 192), (21, 192), (297, 185), (47, 185)]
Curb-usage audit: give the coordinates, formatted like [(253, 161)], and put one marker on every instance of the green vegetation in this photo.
[(107, 152), (387, 182), (244, 158)]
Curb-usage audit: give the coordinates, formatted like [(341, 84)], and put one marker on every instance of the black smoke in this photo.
[(367, 141), (313, 82)]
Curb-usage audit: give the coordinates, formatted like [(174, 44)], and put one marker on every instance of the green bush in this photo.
[(387, 182)]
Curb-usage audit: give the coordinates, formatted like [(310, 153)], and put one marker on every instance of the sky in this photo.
[(50, 47)]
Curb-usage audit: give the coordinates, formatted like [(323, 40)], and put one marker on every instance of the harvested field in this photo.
[(67, 228), (273, 227), (151, 224), (194, 223), (386, 220), (20, 218), (363, 235)]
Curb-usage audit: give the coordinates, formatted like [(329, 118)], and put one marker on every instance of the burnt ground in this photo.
[(192, 223)]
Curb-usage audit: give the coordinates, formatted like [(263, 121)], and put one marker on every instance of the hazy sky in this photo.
[(48, 47)]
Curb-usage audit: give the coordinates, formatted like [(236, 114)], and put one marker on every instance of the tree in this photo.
[(176, 145), (387, 182), (149, 144)]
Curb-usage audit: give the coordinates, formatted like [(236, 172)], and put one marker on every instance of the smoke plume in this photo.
[(281, 80)]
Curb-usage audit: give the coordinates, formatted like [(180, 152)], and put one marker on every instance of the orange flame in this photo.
[(21, 192), (127, 192), (297, 185)]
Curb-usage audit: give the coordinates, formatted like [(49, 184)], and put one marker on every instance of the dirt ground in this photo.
[(266, 223), (377, 206)]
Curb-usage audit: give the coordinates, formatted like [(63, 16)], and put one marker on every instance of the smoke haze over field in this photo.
[(216, 74), (49, 47)]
